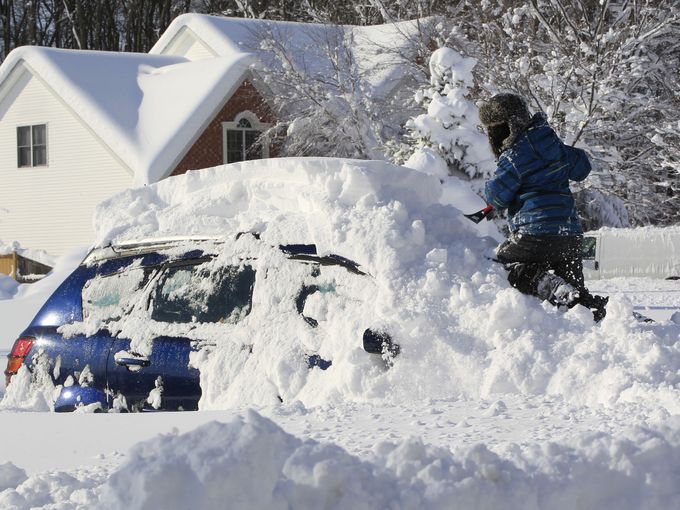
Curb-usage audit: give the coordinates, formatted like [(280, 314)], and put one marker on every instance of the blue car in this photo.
[(104, 369)]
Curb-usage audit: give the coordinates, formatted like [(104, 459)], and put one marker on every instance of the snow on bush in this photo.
[(600, 210), (462, 329), (450, 128)]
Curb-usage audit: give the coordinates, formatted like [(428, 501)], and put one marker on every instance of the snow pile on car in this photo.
[(461, 328)]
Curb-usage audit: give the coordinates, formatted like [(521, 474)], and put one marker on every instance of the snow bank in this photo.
[(462, 329), (252, 463), (8, 287), (11, 476)]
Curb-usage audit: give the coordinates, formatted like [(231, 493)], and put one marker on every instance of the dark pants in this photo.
[(529, 257)]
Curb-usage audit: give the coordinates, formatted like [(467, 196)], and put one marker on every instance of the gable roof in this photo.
[(145, 108), (381, 52)]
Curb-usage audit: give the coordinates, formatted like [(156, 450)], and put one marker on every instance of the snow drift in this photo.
[(8, 287), (464, 333), (251, 463), (462, 329)]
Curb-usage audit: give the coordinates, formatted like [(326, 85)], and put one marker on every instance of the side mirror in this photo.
[(378, 342)]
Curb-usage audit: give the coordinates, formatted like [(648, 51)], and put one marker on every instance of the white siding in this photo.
[(188, 45), (51, 207)]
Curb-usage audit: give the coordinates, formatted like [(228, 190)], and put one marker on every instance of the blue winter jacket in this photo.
[(532, 182)]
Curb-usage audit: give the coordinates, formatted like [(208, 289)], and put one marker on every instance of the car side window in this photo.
[(200, 293), (313, 298), (108, 297)]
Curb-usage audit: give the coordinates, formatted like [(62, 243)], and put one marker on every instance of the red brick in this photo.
[(207, 150)]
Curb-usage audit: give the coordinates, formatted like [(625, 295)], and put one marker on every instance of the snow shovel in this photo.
[(480, 215)]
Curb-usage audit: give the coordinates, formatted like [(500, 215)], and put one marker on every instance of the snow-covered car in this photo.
[(132, 326), (652, 252)]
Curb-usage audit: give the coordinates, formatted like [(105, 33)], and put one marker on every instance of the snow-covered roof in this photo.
[(378, 50), (145, 108)]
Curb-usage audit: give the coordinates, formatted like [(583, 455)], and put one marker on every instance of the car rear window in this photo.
[(109, 297), (202, 293)]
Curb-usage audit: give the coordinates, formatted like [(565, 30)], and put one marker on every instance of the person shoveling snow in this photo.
[(543, 254)]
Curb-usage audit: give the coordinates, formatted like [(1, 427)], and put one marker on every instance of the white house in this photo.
[(78, 126)]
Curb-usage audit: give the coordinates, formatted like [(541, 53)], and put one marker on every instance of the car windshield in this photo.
[(202, 293), (589, 246)]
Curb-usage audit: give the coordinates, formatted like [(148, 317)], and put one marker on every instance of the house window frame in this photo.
[(255, 125), (31, 146)]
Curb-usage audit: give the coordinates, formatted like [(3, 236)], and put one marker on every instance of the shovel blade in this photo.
[(479, 215), (476, 217)]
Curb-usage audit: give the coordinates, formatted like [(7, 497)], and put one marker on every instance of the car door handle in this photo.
[(132, 362)]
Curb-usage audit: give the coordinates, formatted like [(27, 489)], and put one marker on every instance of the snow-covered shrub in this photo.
[(450, 126)]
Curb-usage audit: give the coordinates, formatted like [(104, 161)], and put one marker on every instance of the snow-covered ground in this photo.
[(496, 401), (652, 297)]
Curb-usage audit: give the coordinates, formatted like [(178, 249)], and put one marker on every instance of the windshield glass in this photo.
[(589, 246)]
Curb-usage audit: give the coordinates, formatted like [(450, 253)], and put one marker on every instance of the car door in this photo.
[(109, 291), (67, 358), (182, 297)]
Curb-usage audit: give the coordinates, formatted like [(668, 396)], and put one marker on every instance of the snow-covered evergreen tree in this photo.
[(449, 128)]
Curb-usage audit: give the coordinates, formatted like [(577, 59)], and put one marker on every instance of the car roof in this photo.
[(142, 246), (301, 252)]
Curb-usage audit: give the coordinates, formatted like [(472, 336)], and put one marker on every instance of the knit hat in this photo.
[(506, 108)]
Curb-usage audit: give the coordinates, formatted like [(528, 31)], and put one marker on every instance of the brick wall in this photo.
[(207, 150)]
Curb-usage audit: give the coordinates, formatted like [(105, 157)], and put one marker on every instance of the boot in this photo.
[(597, 304), (557, 291)]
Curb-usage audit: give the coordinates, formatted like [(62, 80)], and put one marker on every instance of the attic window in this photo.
[(241, 138), (32, 145)]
